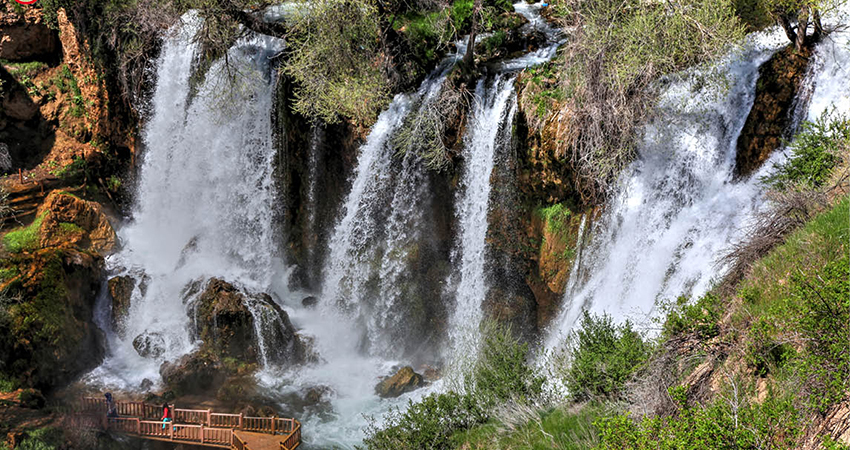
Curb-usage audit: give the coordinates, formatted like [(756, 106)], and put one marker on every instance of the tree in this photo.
[(806, 14)]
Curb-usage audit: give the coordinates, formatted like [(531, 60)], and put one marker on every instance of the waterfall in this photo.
[(381, 224), (680, 204), (491, 118), (205, 195)]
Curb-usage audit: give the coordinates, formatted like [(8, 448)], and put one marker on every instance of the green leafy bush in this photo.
[(815, 151), (605, 356), (700, 318), (500, 374)]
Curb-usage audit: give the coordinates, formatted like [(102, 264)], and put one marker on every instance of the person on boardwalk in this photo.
[(166, 415), (111, 412)]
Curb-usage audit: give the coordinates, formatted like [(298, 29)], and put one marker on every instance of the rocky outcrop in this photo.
[(25, 37), (121, 292), (48, 336), (70, 220), (403, 381), (225, 323), (226, 319), (768, 123)]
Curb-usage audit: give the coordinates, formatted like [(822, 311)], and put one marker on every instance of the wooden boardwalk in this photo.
[(191, 426)]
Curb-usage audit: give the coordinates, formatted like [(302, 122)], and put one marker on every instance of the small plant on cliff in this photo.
[(557, 217)]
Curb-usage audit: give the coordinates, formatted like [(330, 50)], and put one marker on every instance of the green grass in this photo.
[(7, 273), (19, 69), (557, 428), (557, 217), (25, 238)]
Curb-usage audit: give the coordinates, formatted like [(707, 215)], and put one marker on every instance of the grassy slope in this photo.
[(773, 309)]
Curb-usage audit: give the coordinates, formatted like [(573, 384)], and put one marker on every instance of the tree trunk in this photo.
[(818, 33), (469, 57), (785, 22), (802, 26)]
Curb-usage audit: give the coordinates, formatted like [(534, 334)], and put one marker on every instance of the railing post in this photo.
[(171, 429), (202, 433), (138, 426), (209, 411), (274, 422), (240, 421)]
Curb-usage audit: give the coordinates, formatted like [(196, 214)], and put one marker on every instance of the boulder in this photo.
[(195, 373), (225, 317), (69, 220), (18, 105), (146, 385), (309, 302), (317, 394), (405, 380), (149, 345), (121, 291)]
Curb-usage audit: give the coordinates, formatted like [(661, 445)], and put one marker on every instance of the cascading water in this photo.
[(680, 205), (493, 109), (204, 199), (380, 224)]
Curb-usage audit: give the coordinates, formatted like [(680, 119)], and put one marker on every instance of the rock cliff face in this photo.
[(55, 124), (768, 123)]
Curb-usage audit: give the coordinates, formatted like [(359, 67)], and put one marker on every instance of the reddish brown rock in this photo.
[(405, 380), (69, 220), (769, 119)]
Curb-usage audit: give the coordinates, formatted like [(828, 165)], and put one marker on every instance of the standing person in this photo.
[(111, 411), (166, 415)]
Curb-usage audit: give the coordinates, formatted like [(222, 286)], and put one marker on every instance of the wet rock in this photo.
[(431, 373), (149, 345), (189, 249), (511, 304), (309, 302), (146, 384), (225, 322), (317, 394), (120, 291), (405, 380), (195, 373), (769, 119), (72, 221)]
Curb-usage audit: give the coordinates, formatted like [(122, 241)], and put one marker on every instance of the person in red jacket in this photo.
[(166, 414)]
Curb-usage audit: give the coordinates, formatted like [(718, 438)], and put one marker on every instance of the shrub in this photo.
[(557, 217), (500, 374), (335, 60), (699, 318), (815, 151), (605, 356)]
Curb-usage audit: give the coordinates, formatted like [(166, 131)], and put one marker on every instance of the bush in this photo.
[(335, 61), (605, 356), (500, 374), (815, 151), (699, 318)]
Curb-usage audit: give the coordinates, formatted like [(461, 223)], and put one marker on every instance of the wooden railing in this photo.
[(199, 426)]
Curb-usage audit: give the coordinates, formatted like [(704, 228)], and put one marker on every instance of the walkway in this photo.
[(195, 426)]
